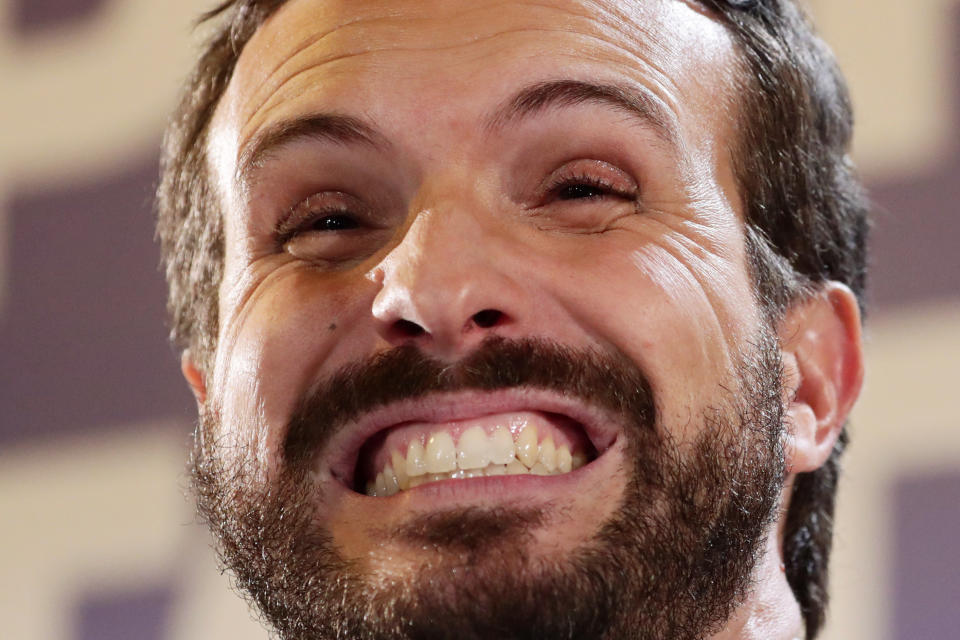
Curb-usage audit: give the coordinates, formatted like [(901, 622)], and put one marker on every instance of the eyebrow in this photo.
[(342, 129), (335, 128), (636, 103)]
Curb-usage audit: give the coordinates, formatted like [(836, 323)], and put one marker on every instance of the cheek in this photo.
[(294, 329), (672, 282), (237, 399), (680, 315), (704, 287)]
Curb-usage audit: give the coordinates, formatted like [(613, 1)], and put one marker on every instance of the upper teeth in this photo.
[(477, 453)]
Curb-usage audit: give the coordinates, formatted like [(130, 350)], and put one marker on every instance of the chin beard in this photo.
[(673, 562)]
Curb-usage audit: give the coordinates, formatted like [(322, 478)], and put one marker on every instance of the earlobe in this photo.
[(823, 372), (193, 376)]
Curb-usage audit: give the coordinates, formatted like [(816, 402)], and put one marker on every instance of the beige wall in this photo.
[(905, 425), (897, 57)]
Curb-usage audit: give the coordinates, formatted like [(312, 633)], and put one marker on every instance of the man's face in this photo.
[(450, 222)]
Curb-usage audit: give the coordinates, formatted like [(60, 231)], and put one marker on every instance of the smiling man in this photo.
[(518, 319)]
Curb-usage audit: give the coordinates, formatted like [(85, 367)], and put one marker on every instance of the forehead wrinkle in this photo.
[(630, 39), (637, 29), (308, 43), (665, 85), (273, 100), (601, 15)]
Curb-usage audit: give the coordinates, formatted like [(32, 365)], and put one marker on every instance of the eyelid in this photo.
[(596, 173), (584, 179)]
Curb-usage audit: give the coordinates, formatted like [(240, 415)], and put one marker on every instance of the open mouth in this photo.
[(413, 454)]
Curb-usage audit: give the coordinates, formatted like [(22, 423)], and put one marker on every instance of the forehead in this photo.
[(382, 56)]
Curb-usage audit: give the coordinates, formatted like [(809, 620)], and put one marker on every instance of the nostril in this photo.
[(408, 329), (487, 318)]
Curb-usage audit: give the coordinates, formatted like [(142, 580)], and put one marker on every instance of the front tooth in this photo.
[(496, 470), (515, 468), (564, 459), (416, 464), (441, 455), (400, 470), (527, 450), (473, 451), (501, 446), (539, 470), (548, 454)]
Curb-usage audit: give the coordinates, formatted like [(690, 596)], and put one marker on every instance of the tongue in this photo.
[(541, 442)]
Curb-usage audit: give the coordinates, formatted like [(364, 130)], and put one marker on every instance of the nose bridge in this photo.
[(440, 241), (444, 284), (451, 230)]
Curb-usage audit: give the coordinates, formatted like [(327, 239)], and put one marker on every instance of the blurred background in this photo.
[(98, 541)]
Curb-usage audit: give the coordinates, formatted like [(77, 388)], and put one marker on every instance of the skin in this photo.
[(458, 216)]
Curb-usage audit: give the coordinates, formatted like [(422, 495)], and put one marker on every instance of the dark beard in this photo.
[(672, 564)]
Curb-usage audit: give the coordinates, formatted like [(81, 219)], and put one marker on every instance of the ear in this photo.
[(822, 349), (193, 377)]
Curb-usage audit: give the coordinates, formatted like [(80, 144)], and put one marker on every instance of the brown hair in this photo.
[(806, 215), (804, 208)]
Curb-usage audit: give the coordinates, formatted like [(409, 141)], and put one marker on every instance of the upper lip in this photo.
[(344, 449)]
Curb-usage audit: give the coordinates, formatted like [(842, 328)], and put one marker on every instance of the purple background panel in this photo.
[(926, 600), (34, 15), (124, 615), (916, 238), (83, 334)]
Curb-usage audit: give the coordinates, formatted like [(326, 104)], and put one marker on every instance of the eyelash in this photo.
[(555, 189), (296, 223)]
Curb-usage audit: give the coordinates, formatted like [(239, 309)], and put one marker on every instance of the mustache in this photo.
[(608, 380)]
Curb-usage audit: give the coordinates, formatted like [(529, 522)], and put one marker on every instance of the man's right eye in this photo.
[(331, 228), (326, 211)]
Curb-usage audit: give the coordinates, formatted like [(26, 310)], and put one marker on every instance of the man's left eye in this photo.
[(334, 222), (584, 195), (581, 190), (588, 179)]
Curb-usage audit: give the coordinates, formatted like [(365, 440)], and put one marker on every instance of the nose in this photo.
[(447, 285)]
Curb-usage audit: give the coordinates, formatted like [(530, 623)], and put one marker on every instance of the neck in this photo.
[(770, 611)]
